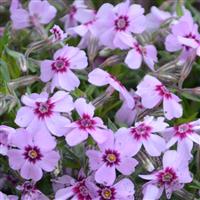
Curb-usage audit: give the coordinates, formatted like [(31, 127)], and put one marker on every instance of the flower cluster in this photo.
[(67, 124)]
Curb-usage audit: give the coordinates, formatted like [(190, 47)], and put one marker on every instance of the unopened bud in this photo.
[(93, 47)]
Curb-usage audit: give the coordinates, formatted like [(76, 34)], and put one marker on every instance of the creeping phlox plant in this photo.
[(94, 101)]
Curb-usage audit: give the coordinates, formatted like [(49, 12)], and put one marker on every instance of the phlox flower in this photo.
[(143, 133), (123, 18), (126, 114), (83, 188), (59, 70), (22, 18), (134, 58), (171, 177), (100, 77), (184, 134), (184, 37), (8, 197), (78, 12), (42, 111), (87, 124), (123, 189), (32, 153), (30, 192), (57, 34), (114, 153), (153, 92), (5, 134)]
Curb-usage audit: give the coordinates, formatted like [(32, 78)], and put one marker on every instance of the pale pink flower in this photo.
[(30, 192), (123, 189), (153, 92), (143, 133), (172, 177), (134, 58), (82, 189), (115, 153), (184, 36), (100, 77), (57, 34), (8, 197), (87, 124), (184, 134), (32, 154), (59, 70), (38, 12), (123, 18), (42, 111), (78, 12), (126, 114), (5, 134)]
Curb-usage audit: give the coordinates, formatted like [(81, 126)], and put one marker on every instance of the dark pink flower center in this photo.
[(28, 187), (3, 138), (139, 49), (167, 176), (32, 154), (44, 109), (141, 131), (60, 65), (121, 23), (57, 34), (138, 103), (183, 130), (72, 11), (111, 157), (190, 36), (82, 191), (86, 122), (107, 193), (163, 91)]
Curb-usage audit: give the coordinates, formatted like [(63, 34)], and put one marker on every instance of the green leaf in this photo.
[(112, 125), (4, 71)]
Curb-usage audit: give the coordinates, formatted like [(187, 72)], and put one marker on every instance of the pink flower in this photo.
[(184, 37), (78, 12), (22, 18), (32, 153), (100, 77), (153, 92), (87, 124), (8, 197), (5, 134), (134, 58), (184, 135), (143, 134), (123, 189), (123, 18), (29, 191), (115, 153), (172, 177), (40, 111), (57, 34), (82, 189), (126, 114), (59, 69)]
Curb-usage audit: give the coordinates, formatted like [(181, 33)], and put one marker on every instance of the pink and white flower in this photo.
[(100, 77), (60, 69), (143, 133), (123, 189), (123, 18), (57, 34), (87, 124), (115, 153), (42, 111), (82, 189), (78, 12), (22, 18), (32, 153), (5, 134), (172, 177), (126, 114), (184, 134), (153, 92), (134, 58)]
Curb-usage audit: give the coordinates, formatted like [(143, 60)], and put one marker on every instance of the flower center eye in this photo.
[(163, 91), (111, 157), (43, 107), (32, 154), (60, 65), (121, 23), (86, 123), (141, 131), (106, 193), (167, 177), (183, 128), (83, 191)]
